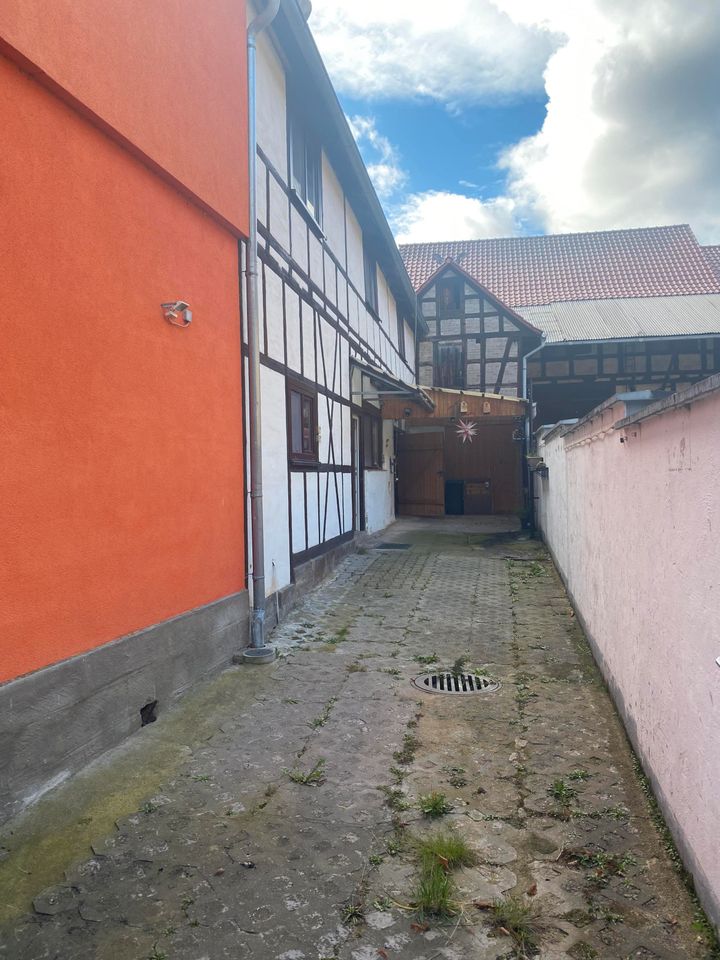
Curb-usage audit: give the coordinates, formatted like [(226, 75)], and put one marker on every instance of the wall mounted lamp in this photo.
[(177, 312)]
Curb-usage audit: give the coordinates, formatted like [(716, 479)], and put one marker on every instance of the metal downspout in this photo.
[(528, 411), (528, 425), (257, 624)]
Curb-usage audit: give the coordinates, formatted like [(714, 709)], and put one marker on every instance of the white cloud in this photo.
[(632, 131), (438, 215), (458, 50), (381, 157)]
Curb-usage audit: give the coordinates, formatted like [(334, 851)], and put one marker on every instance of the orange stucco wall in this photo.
[(168, 76), (121, 476)]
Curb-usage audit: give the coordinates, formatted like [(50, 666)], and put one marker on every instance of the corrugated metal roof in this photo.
[(627, 318), (524, 271)]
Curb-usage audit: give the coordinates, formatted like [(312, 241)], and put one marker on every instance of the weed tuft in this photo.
[(353, 914), (426, 660), (395, 798), (312, 778), (518, 919), (563, 793), (395, 844), (433, 893), (406, 754), (456, 776), (447, 848), (434, 804), (459, 666), (323, 718)]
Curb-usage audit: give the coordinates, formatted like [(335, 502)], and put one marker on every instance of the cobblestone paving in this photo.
[(231, 857)]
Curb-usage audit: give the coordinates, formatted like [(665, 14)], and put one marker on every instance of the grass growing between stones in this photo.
[(312, 778), (438, 855), (395, 798), (323, 718), (406, 754), (700, 923), (516, 918)]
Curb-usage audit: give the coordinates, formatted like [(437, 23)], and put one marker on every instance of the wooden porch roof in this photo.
[(452, 403)]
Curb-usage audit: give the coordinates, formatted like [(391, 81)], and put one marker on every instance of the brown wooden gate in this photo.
[(421, 481)]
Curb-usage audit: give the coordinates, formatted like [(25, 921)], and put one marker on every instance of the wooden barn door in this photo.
[(421, 480)]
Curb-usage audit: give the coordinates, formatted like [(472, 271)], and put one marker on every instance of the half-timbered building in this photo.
[(591, 314), (338, 316)]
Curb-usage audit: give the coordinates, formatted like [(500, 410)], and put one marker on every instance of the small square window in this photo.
[(303, 424)]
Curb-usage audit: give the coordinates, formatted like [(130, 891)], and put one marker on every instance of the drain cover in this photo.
[(463, 683), (392, 546)]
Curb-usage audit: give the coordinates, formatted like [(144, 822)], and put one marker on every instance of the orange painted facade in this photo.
[(121, 476), (167, 78)]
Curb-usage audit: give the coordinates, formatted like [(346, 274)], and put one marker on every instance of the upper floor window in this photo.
[(401, 335), (449, 296), (371, 286), (305, 167)]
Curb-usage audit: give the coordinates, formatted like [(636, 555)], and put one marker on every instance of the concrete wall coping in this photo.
[(698, 391)]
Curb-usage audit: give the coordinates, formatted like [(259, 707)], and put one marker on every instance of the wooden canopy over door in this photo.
[(421, 481)]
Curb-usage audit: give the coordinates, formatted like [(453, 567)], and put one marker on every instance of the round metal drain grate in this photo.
[(462, 684)]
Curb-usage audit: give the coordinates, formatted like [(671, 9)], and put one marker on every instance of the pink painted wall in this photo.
[(635, 531)]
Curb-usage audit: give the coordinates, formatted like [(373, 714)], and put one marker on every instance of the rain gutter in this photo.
[(258, 651)]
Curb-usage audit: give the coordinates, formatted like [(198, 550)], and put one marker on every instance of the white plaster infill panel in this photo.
[(292, 329), (333, 211), (274, 315), (297, 500), (275, 481), (355, 267), (379, 487), (308, 340), (271, 107), (313, 514)]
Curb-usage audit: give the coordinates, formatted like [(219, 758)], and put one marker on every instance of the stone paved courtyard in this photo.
[(196, 840)]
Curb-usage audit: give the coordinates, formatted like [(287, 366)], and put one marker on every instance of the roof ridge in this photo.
[(548, 236)]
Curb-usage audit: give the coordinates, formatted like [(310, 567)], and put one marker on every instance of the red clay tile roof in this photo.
[(712, 255), (525, 271)]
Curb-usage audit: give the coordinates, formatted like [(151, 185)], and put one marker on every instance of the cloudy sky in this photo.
[(482, 118)]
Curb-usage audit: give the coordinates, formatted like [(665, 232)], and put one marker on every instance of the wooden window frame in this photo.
[(450, 283), (373, 448), (306, 394), (401, 335), (305, 185), (371, 284), (444, 345)]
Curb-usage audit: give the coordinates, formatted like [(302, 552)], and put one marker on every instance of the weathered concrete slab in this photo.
[(219, 850)]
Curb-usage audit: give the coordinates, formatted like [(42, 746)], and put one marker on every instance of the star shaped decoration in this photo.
[(466, 430)]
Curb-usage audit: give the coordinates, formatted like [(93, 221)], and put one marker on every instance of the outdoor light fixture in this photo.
[(177, 312)]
